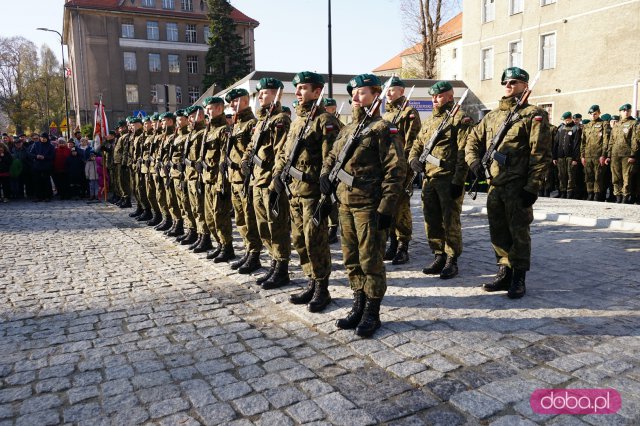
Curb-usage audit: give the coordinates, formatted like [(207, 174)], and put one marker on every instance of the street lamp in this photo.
[(64, 79), (330, 54)]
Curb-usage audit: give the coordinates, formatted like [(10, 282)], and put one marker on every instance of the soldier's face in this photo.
[(306, 93), (266, 97), (239, 104), (137, 126), (595, 115), (182, 121), (625, 113), (576, 120), (148, 125), (394, 93), (331, 109), (514, 88), (363, 96), (568, 121), (442, 98)]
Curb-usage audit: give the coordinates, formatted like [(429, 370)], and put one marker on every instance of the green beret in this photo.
[(167, 115), (440, 87), (235, 93), (606, 117), (212, 100), (155, 116), (194, 108), (286, 109), (363, 80), (307, 77), (147, 118), (625, 107), (135, 120), (122, 123), (269, 83), (566, 115), (514, 73), (577, 115), (181, 113), (586, 121), (295, 103), (594, 108), (615, 117), (129, 118), (395, 81), (329, 102)]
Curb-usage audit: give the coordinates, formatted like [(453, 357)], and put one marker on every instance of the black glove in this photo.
[(528, 198), (278, 184), (456, 190), (223, 195), (477, 169), (384, 221), (273, 195), (416, 165), (244, 167), (199, 167), (325, 184)]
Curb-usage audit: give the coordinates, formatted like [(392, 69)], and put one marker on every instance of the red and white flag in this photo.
[(100, 126)]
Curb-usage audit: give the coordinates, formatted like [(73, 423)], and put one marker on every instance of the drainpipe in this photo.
[(635, 96)]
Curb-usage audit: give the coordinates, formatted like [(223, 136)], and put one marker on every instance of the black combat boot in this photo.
[(195, 243), (279, 277), (590, 196), (176, 230), (126, 203), (370, 321), (333, 234), (547, 193), (321, 297), (600, 196), (557, 195), (168, 224), (619, 199), (162, 223), (517, 288), (212, 254), (501, 282), (450, 269), (238, 263), (267, 275), (225, 255), (155, 219), (137, 212), (628, 199), (189, 238), (563, 194), (392, 248), (437, 264), (569, 195), (252, 264), (354, 316), (402, 255), (303, 297), (204, 244), (146, 215)]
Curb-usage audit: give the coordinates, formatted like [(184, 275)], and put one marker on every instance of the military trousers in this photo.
[(593, 175), (363, 250), (124, 181), (161, 195), (245, 218), (150, 189), (140, 190), (622, 173), (182, 197), (442, 216), (509, 224), (114, 180), (402, 225), (566, 174), (310, 241), (217, 214), (196, 201), (333, 216), (275, 231)]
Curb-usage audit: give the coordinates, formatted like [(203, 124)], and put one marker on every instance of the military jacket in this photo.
[(625, 140), (594, 138), (377, 164), (135, 149), (240, 138), (408, 123), (118, 148), (527, 145), (567, 142), (147, 146), (215, 141), (106, 148), (449, 148), (314, 147), (163, 156), (271, 144), (177, 152), (193, 148), (154, 154)]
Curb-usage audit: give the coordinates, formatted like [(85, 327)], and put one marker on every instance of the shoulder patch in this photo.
[(329, 127), (412, 116), (466, 120), (279, 125), (538, 118), (393, 130)]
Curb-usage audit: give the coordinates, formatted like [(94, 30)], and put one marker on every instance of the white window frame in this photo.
[(151, 30), (191, 33), (130, 58), (186, 5), (192, 69), (509, 61), (175, 35), (173, 70), (131, 93), (484, 9), (206, 33), (541, 51), (159, 63), (178, 95), (154, 94), (148, 3), (194, 93), (168, 4), (512, 3), (492, 72), (129, 26), (544, 3)]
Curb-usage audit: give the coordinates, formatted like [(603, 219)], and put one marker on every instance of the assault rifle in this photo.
[(492, 153), (338, 112), (404, 105), (426, 156), (337, 172), (167, 166), (289, 171), (200, 162), (227, 153)]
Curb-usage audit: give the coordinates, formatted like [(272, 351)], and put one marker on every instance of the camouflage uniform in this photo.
[(147, 170), (217, 208), (121, 181), (624, 144), (179, 180), (196, 201), (566, 150), (333, 216), (595, 137), (137, 177), (166, 192)]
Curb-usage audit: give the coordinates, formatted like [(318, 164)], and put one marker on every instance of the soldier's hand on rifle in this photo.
[(456, 190), (278, 185), (384, 221), (477, 169), (244, 167), (273, 195), (416, 165), (325, 184), (222, 195), (199, 167), (528, 198)]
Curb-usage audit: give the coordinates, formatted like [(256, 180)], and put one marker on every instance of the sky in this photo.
[(292, 35)]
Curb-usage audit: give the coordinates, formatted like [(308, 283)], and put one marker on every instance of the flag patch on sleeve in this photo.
[(329, 127), (393, 130), (538, 118)]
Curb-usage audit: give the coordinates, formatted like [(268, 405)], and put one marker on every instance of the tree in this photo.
[(227, 59)]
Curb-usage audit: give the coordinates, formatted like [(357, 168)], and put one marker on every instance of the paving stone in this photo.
[(232, 391), (442, 416), (215, 414), (77, 394), (42, 418), (251, 405), (283, 396), (39, 403), (53, 385), (166, 407), (476, 404)]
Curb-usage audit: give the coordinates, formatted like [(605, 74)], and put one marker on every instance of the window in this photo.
[(154, 94), (148, 3), (132, 93), (154, 62), (192, 64), (187, 5), (178, 95), (174, 63), (127, 30), (546, 2), (486, 72), (153, 32), (515, 54), (130, 61), (454, 53), (547, 51), (172, 31), (194, 94), (207, 33), (190, 34), (548, 108), (488, 10), (516, 6), (168, 4)]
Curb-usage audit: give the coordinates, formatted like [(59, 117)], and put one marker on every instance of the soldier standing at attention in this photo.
[(622, 152), (136, 143), (379, 169), (443, 184), (330, 105), (408, 125), (149, 170), (566, 153), (306, 156), (120, 157), (275, 231), (179, 180), (595, 137), (163, 184), (244, 123), (513, 189)]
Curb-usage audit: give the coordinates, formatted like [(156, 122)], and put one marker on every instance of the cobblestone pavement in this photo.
[(105, 321)]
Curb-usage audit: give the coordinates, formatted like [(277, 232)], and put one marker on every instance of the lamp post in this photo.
[(64, 82), (330, 56)]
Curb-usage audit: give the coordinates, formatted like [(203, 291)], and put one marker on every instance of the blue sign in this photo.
[(139, 113), (421, 106)]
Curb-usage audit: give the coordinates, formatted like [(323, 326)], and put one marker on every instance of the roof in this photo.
[(449, 31)]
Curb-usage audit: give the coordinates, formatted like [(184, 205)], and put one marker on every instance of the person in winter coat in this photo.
[(5, 166), (42, 156), (74, 168), (62, 152), (91, 173), (20, 169)]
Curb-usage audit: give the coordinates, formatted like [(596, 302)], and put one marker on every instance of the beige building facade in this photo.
[(586, 51), (139, 55)]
